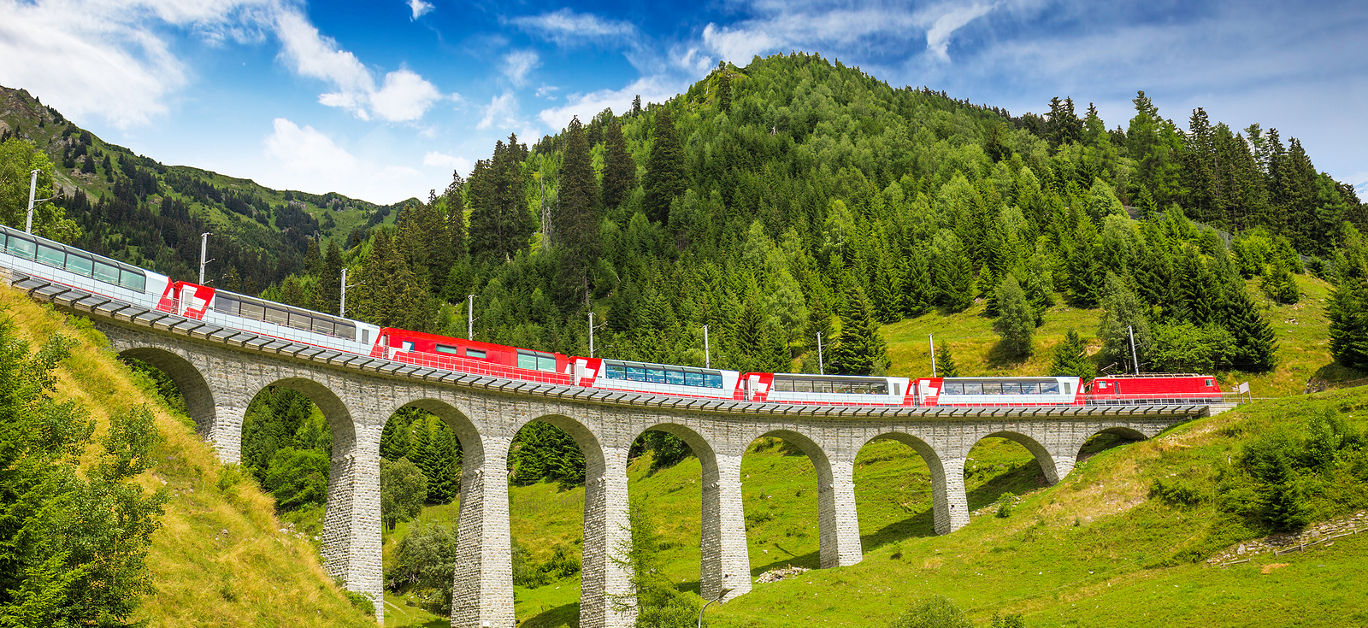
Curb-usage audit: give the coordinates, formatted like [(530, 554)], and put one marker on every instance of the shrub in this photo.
[(935, 612), (1005, 504), (1177, 491), (426, 560)]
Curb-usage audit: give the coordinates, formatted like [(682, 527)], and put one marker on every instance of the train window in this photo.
[(52, 256), (783, 385), (224, 304), (897, 389), (713, 380), (1030, 388), (821, 386), (20, 247), (973, 388), (527, 361), (346, 330), (106, 272), (323, 326), (655, 376), (447, 349), (692, 378), (79, 264), (675, 378), (546, 363), (301, 321), (636, 374), (878, 389), (133, 280), (476, 353), (991, 388), (1049, 388), (614, 371), (406, 345), (253, 311), (1208, 383), (365, 336), (276, 315), (1068, 389), (1011, 388), (954, 388)]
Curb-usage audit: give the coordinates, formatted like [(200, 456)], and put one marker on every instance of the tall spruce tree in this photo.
[(1071, 358), (945, 362), (576, 217), (1255, 344), (664, 169), (1017, 322), (860, 349), (619, 169)]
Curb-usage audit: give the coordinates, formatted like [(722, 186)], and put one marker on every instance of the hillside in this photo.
[(220, 557), (139, 210)]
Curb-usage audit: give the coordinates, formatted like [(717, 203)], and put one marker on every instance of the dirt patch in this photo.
[(1270, 567)]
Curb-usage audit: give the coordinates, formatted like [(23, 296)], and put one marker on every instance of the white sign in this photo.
[(1243, 388)]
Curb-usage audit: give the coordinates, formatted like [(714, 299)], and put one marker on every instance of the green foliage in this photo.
[(860, 349), (297, 478), (403, 489), (619, 170), (1187, 348), (664, 180), (1348, 312), (425, 562), (1071, 359), (1017, 322), (1179, 491), (1005, 503), (17, 159), (73, 545), (945, 362), (1278, 284), (1125, 314), (659, 604), (933, 612), (541, 451)]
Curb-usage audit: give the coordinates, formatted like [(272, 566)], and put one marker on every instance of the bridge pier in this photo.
[(351, 519), (606, 597), (726, 561), (838, 523), (482, 590), (950, 503)]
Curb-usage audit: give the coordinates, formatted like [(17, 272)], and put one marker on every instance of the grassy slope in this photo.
[(219, 559)]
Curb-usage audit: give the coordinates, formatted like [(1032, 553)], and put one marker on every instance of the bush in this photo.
[(935, 612), (1177, 491), (1005, 504), (297, 478), (425, 561)]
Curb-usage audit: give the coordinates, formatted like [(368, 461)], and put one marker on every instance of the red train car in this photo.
[(471, 356), (1185, 387)]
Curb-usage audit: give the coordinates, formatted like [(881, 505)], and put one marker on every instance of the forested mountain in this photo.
[(798, 196), (139, 210)]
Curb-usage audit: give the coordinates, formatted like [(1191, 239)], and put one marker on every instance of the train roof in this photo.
[(677, 367), (408, 333)]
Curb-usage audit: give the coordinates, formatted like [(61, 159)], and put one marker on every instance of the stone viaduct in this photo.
[(219, 371)]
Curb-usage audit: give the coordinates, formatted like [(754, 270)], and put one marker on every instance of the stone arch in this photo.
[(1048, 461), (949, 506), (837, 523), (1126, 433), (199, 397), (335, 411), (605, 582), (458, 419), (723, 562)]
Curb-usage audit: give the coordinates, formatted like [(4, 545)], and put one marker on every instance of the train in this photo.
[(73, 267)]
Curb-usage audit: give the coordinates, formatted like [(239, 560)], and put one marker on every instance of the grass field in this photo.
[(220, 558)]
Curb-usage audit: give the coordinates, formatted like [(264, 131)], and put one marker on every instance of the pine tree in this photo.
[(1255, 344), (1017, 324), (576, 216), (945, 362), (619, 169), (1278, 284), (724, 91), (860, 349), (1124, 312), (455, 223), (394, 438), (664, 169), (1348, 312), (500, 222), (1071, 359)]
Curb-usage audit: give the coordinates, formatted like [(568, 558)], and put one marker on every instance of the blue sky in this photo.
[(381, 100)]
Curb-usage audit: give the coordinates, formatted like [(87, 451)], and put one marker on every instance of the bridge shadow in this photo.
[(563, 615)]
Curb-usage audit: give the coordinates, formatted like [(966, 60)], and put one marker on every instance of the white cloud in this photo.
[(547, 91), (404, 97), (303, 158), (517, 65), (651, 89), (442, 160), (419, 8), (938, 36), (737, 45), (110, 60), (567, 27), (502, 110)]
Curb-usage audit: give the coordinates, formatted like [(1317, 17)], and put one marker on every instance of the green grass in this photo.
[(221, 557)]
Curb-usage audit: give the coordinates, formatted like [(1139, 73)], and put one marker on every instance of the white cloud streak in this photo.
[(566, 27), (518, 64), (419, 8), (303, 158)]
